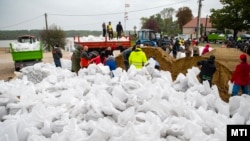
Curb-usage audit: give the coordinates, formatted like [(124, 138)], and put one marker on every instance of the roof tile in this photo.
[(193, 23)]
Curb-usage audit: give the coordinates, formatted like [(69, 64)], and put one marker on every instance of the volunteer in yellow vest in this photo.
[(110, 31), (137, 58)]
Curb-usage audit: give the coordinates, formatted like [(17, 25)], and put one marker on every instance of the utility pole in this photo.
[(125, 17), (198, 20), (46, 22), (206, 25)]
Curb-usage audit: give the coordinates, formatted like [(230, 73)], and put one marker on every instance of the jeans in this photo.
[(57, 62), (236, 89)]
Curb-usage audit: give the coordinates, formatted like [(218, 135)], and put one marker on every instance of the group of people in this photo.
[(81, 58), (240, 77), (135, 56), (190, 48), (109, 30)]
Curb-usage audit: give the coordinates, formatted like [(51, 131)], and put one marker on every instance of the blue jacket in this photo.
[(111, 63)]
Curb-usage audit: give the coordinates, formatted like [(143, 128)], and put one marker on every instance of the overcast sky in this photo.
[(88, 14)]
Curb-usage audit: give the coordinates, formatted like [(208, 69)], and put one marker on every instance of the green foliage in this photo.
[(234, 15), (162, 22), (52, 37), (13, 34)]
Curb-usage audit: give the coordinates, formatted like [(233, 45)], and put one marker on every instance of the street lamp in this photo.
[(135, 29)]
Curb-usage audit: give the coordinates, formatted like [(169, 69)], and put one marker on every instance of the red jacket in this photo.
[(84, 62), (96, 60), (205, 50), (241, 74)]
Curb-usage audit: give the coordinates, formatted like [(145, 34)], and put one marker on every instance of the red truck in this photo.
[(101, 45)]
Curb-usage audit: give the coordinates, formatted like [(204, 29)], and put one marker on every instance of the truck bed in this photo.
[(26, 55), (102, 44)]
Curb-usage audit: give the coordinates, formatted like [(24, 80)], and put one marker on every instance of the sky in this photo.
[(88, 14)]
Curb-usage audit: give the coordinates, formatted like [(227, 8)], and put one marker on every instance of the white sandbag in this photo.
[(10, 130), (66, 64), (192, 76), (222, 107), (230, 87), (46, 130), (93, 69), (191, 129), (117, 72), (57, 126), (174, 130), (244, 109), (126, 116), (118, 104), (234, 104), (3, 112), (127, 135), (238, 119), (104, 69), (120, 93), (172, 138), (37, 138)]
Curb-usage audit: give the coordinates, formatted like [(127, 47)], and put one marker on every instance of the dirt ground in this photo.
[(226, 60)]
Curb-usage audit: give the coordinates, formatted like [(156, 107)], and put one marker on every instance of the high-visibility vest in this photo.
[(110, 28), (137, 58), (239, 39)]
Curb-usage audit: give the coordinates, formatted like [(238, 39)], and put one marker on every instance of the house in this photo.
[(189, 28)]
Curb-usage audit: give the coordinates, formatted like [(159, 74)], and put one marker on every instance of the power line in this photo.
[(132, 11), (29, 20)]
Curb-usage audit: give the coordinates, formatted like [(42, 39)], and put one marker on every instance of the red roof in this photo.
[(193, 23)]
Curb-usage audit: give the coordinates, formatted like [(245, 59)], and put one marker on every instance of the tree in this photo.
[(54, 35), (151, 24), (234, 15), (143, 21), (167, 13), (159, 21), (167, 16), (172, 28), (184, 15)]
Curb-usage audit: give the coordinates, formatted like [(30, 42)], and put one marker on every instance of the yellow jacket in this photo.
[(137, 58)]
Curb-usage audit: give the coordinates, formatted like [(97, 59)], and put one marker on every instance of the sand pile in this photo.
[(226, 60)]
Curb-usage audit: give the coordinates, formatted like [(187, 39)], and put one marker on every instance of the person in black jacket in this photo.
[(176, 48), (126, 54), (108, 52), (57, 55), (208, 69), (119, 30)]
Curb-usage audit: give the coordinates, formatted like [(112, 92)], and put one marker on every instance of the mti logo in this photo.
[(238, 132)]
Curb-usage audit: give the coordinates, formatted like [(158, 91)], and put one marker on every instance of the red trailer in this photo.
[(100, 45)]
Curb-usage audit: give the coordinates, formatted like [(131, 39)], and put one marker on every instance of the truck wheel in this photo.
[(17, 69)]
